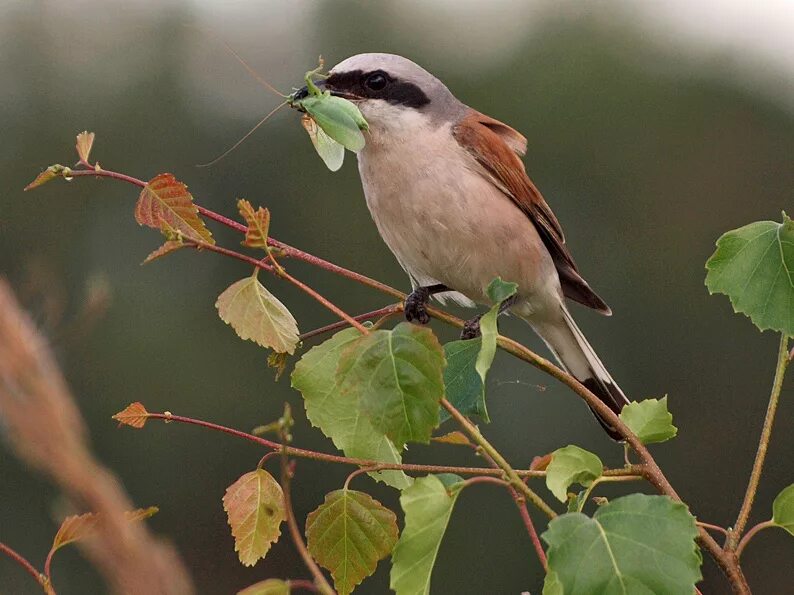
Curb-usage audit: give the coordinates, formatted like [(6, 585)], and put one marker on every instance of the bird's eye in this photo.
[(376, 81)]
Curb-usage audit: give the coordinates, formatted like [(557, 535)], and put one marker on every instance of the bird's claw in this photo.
[(415, 307), (471, 329)]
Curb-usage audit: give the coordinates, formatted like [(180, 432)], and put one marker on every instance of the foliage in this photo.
[(373, 389)]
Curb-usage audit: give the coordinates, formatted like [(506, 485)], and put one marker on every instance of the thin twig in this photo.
[(28, 567), (751, 533), (287, 472), (763, 445), (380, 312), (713, 527)]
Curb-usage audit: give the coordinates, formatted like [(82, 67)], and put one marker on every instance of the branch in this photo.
[(763, 444), (287, 472), (29, 568)]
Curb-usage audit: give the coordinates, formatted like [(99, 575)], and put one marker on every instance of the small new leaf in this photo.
[(133, 415), (255, 508), (52, 172), (498, 291), (650, 420), (349, 534), (277, 361), (164, 199), (634, 544), (271, 586), (77, 527), (570, 465), (783, 509), (256, 314), (338, 415), (463, 385), (427, 505), (754, 267), (85, 140), (455, 437), (396, 376), (258, 224)]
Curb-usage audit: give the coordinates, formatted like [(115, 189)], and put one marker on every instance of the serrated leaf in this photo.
[(552, 585), (330, 151), (570, 465), (78, 527), (168, 247), (133, 415), (427, 505), (254, 505), (271, 586), (334, 118), (634, 544), (256, 314), (498, 291), (52, 172), (783, 509), (650, 420), (396, 376), (456, 437), (463, 385), (258, 222), (165, 199), (754, 267), (336, 414), (349, 534), (85, 140)]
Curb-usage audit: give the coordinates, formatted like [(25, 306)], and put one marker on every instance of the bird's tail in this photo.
[(572, 350)]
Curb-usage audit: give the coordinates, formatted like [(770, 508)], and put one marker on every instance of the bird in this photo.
[(450, 196)]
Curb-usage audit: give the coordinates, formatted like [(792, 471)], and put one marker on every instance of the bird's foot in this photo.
[(471, 328), (415, 306)]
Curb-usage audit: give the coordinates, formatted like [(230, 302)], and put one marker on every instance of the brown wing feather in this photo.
[(496, 147)]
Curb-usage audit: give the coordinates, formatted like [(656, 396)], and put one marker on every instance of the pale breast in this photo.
[(447, 223)]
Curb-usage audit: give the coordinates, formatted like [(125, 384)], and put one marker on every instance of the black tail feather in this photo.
[(611, 395)]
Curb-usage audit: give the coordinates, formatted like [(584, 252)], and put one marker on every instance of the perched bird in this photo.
[(452, 200)]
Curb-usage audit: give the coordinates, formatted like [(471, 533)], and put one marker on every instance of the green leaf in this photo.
[(349, 534), (462, 383), (256, 314), (335, 119), (330, 151), (754, 267), (634, 544), (255, 508), (783, 509), (271, 586), (336, 414), (552, 585), (427, 504), (570, 465), (650, 420), (396, 376), (166, 200), (498, 291)]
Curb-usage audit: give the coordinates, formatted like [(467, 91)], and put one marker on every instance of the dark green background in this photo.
[(646, 151)]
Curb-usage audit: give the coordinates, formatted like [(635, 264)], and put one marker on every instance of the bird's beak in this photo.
[(322, 84)]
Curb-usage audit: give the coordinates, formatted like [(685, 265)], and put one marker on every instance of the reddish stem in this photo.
[(381, 312), (23, 562)]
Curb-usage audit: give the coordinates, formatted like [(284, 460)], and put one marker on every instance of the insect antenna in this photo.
[(247, 134)]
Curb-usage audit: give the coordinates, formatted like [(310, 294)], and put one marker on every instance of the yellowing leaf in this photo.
[(85, 140), (271, 586), (133, 415), (255, 508), (52, 172), (167, 248), (77, 527), (349, 534), (257, 315), (164, 199), (258, 224), (455, 437)]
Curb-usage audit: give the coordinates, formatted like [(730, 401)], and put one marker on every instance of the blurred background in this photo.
[(652, 127)]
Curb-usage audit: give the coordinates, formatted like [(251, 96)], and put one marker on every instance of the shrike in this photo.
[(452, 200)]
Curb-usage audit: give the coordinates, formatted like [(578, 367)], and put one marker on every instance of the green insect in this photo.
[(333, 123)]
